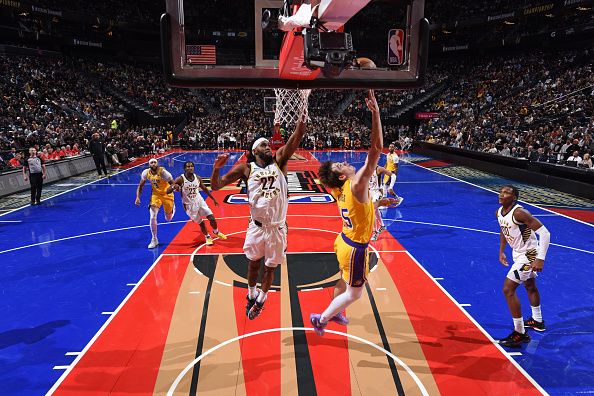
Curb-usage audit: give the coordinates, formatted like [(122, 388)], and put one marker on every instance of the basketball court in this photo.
[(90, 310)]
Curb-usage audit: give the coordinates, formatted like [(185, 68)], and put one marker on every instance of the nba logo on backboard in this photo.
[(395, 46)]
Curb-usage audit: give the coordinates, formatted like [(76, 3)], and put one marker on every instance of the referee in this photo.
[(36, 168)]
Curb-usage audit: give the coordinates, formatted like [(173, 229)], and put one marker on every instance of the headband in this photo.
[(258, 142), (153, 160)]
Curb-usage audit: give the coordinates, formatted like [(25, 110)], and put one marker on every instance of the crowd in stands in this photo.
[(538, 106), (48, 104)]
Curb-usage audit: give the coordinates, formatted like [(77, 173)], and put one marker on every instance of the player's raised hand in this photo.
[(503, 259), (221, 161), (371, 102)]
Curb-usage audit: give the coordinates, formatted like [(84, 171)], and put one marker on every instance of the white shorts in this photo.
[(521, 270), (197, 211), (376, 195), (269, 242)]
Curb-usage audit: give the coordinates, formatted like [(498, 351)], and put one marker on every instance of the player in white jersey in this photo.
[(267, 188), (380, 199), (190, 184), (519, 229)]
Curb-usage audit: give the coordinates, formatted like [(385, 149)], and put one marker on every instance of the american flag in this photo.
[(201, 54)]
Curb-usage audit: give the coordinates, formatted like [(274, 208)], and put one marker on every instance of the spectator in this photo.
[(574, 159), (112, 155), (15, 162), (586, 162)]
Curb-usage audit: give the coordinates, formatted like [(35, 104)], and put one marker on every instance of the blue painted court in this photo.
[(69, 263)]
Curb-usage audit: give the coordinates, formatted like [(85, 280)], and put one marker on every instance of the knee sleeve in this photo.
[(153, 214)]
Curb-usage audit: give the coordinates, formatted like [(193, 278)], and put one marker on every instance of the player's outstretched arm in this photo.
[(217, 181), (176, 185), (284, 153), (206, 190), (360, 183)]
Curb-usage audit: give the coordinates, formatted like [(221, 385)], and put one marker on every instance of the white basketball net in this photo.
[(291, 106)]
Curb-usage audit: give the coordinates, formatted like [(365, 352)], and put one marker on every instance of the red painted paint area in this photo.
[(260, 355), (432, 163), (579, 214), (462, 359), (329, 354), (126, 356), (386, 242)]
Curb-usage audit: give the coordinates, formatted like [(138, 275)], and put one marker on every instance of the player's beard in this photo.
[(267, 158)]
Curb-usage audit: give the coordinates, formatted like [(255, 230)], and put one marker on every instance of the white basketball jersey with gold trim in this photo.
[(267, 190), (191, 191), (519, 236), (374, 182)]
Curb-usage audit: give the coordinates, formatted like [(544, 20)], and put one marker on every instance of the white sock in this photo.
[(262, 297), (537, 314), (519, 325), (341, 302), (251, 292), (216, 231), (153, 221)]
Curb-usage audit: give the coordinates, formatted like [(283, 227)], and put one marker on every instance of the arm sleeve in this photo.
[(544, 238), (166, 176), (144, 174)]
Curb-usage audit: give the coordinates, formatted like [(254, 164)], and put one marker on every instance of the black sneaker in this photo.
[(515, 340), (250, 302), (249, 305), (255, 310), (534, 324)]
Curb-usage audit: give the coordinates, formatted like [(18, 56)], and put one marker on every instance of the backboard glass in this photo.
[(222, 44)]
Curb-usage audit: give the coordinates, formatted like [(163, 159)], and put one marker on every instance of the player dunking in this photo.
[(351, 191), (190, 184), (519, 228), (160, 180), (267, 189)]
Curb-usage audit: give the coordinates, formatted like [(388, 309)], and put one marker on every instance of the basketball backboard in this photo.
[(222, 44)]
